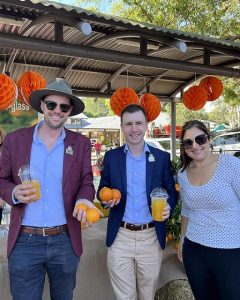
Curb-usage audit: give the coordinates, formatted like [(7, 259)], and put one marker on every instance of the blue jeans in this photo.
[(32, 257)]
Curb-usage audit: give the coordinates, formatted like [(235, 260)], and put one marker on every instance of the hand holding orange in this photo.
[(86, 212), (93, 215), (81, 206), (106, 194), (116, 194)]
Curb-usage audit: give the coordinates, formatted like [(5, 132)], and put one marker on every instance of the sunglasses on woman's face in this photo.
[(51, 105), (199, 139)]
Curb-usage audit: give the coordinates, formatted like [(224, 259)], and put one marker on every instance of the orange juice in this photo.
[(158, 206), (36, 186)]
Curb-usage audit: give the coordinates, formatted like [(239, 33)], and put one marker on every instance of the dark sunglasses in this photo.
[(52, 105), (199, 139)]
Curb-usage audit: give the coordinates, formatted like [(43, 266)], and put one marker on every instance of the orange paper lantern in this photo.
[(121, 98), (213, 86), (195, 97), (27, 83), (151, 105), (8, 92)]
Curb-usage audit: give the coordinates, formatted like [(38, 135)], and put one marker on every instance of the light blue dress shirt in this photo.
[(137, 209), (48, 168)]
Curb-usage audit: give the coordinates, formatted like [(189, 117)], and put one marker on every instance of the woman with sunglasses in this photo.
[(210, 232)]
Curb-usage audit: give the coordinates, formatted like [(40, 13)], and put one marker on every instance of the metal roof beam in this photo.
[(58, 21), (96, 94), (45, 46), (136, 34), (113, 76)]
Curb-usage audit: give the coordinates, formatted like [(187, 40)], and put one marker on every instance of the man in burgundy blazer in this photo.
[(28, 242)]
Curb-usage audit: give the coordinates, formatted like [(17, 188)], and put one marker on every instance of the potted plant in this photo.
[(174, 222)]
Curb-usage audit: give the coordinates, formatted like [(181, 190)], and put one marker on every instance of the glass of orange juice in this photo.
[(159, 202), (27, 177)]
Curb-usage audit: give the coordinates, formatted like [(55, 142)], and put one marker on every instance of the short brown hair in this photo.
[(132, 108)]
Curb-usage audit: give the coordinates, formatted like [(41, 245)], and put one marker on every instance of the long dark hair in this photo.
[(185, 159)]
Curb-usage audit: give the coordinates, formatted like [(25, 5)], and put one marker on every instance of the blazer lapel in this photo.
[(26, 147), (70, 151), (149, 171), (123, 171)]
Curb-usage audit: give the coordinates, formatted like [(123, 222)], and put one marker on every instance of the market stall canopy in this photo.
[(99, 53)]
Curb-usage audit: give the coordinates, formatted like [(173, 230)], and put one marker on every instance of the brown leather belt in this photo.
[(134, 227), (45, 231)]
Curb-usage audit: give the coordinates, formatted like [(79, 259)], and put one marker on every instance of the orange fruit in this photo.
[(81, 206), (177, 187), (116, 194), (169, 237), (176, 245), (105, 194), (92, 215)]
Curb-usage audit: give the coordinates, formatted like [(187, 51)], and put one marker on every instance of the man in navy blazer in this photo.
[(45, 234), (135, 241)]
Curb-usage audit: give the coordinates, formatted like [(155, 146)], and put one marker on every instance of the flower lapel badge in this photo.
[(151, 158), (69, 150)]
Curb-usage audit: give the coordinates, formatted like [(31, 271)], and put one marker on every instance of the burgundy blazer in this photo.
[(77, 181)]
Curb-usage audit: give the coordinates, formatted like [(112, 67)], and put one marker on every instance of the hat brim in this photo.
[(38, 95)]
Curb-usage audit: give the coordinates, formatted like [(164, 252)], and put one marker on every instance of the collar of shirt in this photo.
[(37, 140), (145, 149)]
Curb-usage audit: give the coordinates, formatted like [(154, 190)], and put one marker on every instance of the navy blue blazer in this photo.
[(158, 174)]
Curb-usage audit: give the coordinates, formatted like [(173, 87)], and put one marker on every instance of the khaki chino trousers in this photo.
[(134, 262)]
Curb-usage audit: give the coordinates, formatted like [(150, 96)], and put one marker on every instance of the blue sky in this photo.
[(104, 4)]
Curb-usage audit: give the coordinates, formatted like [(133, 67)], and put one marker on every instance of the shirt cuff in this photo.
[(14, 200)]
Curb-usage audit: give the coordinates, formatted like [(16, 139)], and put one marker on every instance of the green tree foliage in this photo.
[(218, 18), (184, 114), (232, 92), (10, 122), (102, 6), (97, 107), (219, 113)]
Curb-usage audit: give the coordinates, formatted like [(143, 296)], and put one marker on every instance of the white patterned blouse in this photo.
[(213, 209)]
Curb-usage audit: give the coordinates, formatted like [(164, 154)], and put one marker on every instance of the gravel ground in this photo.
[(175, 290)]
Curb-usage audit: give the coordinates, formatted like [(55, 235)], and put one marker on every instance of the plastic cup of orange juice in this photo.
[(159, 202), (27, 177)]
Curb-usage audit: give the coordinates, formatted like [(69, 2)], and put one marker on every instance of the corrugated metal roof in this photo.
[(113, 55), (141, 25)]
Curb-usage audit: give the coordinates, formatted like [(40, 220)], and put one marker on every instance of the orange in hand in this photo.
[(92, 215), (106, 194), (81, 206), (116, 194)]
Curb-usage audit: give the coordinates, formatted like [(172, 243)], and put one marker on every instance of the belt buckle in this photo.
[(43, 231), (142, 226)]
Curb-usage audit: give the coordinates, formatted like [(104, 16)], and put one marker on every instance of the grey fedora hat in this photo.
[(56, 86)]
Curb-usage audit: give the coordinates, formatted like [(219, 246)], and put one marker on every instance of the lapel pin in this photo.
[(151, 158), (69, 150)]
